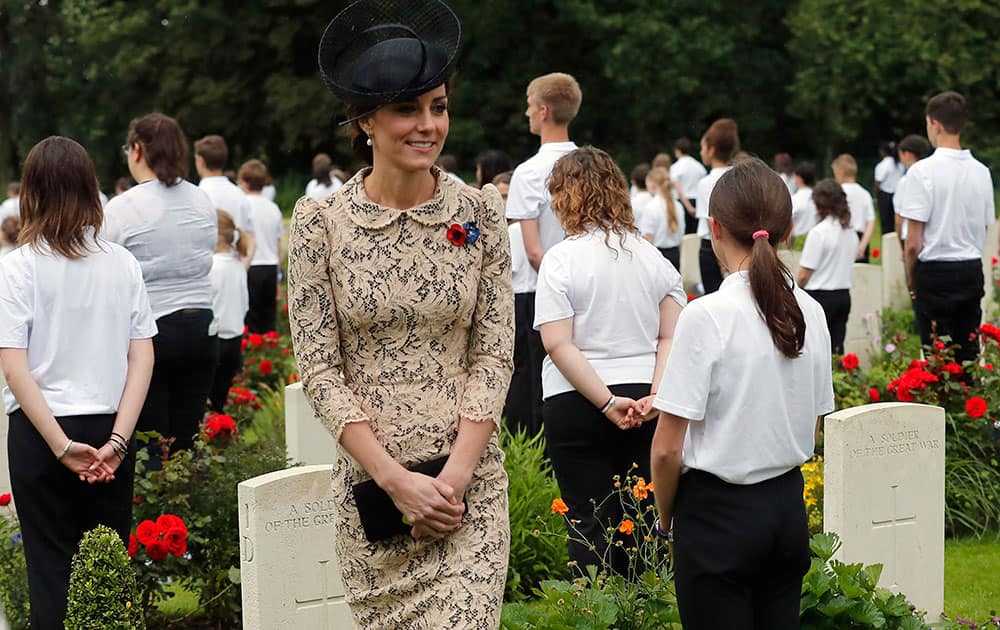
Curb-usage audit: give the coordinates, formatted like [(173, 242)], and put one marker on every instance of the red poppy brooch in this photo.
[(465, 234)]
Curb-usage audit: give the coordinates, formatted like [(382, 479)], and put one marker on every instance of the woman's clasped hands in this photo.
[(430, 505), (90, 464), (627, 413)]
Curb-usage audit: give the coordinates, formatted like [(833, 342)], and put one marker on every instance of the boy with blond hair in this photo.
[(553, 102), (859, 200)]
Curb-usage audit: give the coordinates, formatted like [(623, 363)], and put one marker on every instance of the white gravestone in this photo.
[(289, 573), (690, 268), (895, 293), (864, 322), (790, 258), (307, 441), (991, 250), (884, 495)]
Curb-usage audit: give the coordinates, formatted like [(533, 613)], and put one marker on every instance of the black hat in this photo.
[(385, 51)]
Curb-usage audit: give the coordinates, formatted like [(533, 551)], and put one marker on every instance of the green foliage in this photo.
[(837, 595), (102, 585), (13, 573), (534, 557)]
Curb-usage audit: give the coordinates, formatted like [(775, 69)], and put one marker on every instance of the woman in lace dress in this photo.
[(402, 319)]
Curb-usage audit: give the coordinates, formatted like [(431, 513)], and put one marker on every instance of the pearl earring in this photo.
[(368, 142)]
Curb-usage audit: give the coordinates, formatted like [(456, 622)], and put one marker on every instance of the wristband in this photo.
[(669, 534), (124, 439), (608, 405), (64, 451)]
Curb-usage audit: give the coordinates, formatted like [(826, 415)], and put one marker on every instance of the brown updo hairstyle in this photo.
[(163, 144), (590, 191), (359, 139), (723, 136), (227, 232), (750, 197), (831, 201), (59, 198)]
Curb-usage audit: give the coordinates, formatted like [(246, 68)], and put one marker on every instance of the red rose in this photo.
[(266, 367), (938, 345), (137, 500), (219, 423), (243, 345), (952, 368), (850, 361), (170, 521), (873, 395), (988, 366), (255, 340), (176, 541), (994, 261), (133, 545), (272, 338), (456, 235), (976, 407), (286, 351), (5, 499), (875, 253), (156, 550), (147, 532)]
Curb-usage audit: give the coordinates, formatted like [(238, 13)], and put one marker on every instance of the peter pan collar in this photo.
[(365, 213)]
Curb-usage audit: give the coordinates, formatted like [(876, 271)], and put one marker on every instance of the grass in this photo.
[(970, 587)]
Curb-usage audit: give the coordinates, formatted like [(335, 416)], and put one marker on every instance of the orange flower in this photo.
[(559, 506), (640, 489), (626, 527), (649, 487)]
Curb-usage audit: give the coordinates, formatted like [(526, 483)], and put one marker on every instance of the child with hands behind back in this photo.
[(75, 343), (605, 305)]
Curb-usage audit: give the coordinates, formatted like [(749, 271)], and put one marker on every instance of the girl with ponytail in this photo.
[(666, 215), (747, 378), (230, 303)]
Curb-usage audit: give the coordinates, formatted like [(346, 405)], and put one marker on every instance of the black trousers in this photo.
[(587, 450), (837, 307), (886, 212), (740, 552), (690, 222), (262, 283), (230, 362), (711, 274), (673, 254), (523, 407), (55, 508), (948, 303), (186, 356)]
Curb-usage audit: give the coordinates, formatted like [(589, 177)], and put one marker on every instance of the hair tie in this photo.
[(761, 234)]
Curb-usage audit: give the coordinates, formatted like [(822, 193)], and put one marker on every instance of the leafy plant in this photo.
[(13, 573), (534, 558), (102, 586)]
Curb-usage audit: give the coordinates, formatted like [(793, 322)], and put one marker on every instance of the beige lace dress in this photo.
[(395, 326)]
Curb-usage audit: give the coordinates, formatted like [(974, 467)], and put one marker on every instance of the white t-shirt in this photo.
[(266, 219), (640, 200), (656, 222), (229, 197), (887, 174), (829, 251), (688, 171), (704, 197), (803, 211), (172, 232), (789, 182), (10, 207), (860, 203), (752, 410), (529, 196), (523, 275), (952, 192), (319, 191), (231, 298), (897, 202), (613, 295), (269, 192), (75, 318)]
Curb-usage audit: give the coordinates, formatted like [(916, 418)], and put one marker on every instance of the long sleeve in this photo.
[(313, 318), (491, 335)]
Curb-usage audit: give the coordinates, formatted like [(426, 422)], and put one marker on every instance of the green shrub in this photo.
[(533, 557), (102, 587), (13, 574)]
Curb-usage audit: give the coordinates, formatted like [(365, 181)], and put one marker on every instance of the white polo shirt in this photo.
[(952, 193), (688, 172), (860, 203), (10, 207), (523, 276), (529, 196), (266, 219), (319, 191), (613, 295), (229, 197), (704, 197), (887, 174), (172, 232), (752, 410), (657, 223), (803, 211), (231, 298), (897, 202), (75, 318), (829, 251)]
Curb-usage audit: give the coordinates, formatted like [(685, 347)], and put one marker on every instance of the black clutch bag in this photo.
[(379, 516)]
